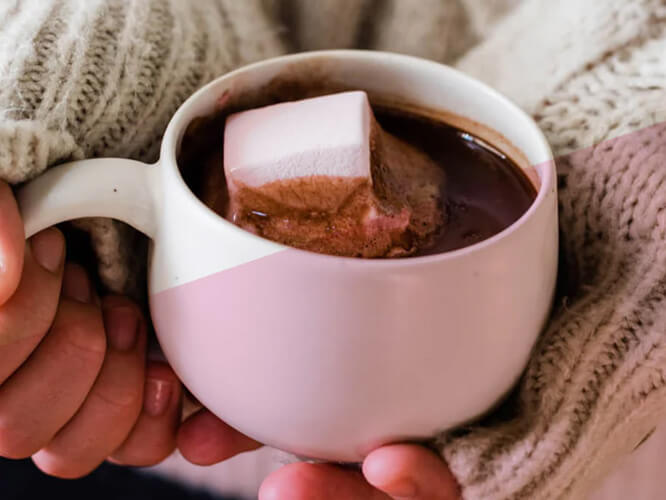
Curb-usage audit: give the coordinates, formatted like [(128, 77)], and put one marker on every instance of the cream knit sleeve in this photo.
[(435, 29), (594, 76), (83, 78)]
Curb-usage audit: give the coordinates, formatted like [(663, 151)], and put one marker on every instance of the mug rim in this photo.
[(177, 124)]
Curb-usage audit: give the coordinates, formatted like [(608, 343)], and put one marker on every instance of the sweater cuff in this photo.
[(28, 147)]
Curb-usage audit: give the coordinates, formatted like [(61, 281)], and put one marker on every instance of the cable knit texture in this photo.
[(90, 78), (595, 386), (101, 78)]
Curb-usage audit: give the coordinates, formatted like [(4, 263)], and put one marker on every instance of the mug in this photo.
[(322, 356)]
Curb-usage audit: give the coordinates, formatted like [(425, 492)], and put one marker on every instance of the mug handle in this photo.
[(106, 187)]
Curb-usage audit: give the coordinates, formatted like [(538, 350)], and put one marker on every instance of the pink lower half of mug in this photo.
[(328, 358)]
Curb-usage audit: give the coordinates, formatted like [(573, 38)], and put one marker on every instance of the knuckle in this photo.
[(15, 444), (40, 319), (85, 338), (117, 399), (60, 467), (16, 326)]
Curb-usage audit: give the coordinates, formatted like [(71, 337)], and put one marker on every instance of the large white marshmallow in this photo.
[(327, 135)]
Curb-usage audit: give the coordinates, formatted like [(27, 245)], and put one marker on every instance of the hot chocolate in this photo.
[(479, 191)]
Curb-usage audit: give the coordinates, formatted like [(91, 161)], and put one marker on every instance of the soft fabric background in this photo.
[(86, 78)]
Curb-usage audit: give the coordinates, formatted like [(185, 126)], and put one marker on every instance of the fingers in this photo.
[(203, 439), (28, 314), (12, 242), (49, 388), (404, 472), (113, 404), (305, 481), (153, 437), (410, 472)]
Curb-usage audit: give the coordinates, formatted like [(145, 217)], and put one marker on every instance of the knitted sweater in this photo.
[(102, 77)]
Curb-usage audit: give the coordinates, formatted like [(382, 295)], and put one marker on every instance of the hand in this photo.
[(392, 472), (73, 370)]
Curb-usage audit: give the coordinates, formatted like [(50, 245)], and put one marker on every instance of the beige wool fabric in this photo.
[(87, 78), (102, 77)]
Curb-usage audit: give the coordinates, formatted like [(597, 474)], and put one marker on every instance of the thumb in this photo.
[(12, 243), (410, 472)]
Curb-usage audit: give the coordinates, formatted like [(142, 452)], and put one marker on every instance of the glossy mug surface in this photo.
[(322, 356)]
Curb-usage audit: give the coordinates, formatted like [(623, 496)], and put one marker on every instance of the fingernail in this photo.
[(157, 397), (48, 248), (75, 284), (122, 327)]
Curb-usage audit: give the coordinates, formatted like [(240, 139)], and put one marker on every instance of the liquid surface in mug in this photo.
[(483, 190)]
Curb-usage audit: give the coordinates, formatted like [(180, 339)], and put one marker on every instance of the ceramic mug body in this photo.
[(323, 356)]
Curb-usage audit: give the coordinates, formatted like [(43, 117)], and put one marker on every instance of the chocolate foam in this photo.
[(395, 213), (483, 192)]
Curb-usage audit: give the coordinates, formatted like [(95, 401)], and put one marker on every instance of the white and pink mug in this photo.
[(330, 357)]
